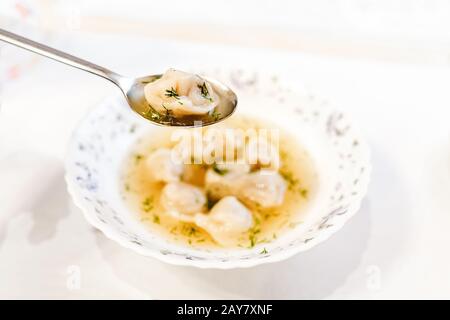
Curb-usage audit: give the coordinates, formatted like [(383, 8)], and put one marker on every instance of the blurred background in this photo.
[(385, 62), (400, 30)]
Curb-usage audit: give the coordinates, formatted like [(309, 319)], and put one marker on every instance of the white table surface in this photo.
[(395, 247)]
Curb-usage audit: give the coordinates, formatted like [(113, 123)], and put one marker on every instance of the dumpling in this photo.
[(181, 94), (182, 201), (161, 166), (220, 180), (226, 221), (264, 188)]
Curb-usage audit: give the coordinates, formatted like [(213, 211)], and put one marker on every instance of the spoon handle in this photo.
[(57, 55)]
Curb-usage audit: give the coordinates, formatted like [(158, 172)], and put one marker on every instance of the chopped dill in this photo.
[(219, 171), (304, 193), (204, 91), (147, 204), (252, 239), (215, 115), (172, 93), (258, 207), (152, 114), (257, 220), (155, 116), (252, 236), (168, 116), (289, 178), (264, 251), (138, 158), (189, 230)]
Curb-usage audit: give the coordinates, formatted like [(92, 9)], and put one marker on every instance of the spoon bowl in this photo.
[(134, 94), (133, 89)]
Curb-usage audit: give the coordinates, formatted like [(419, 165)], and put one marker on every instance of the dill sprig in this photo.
[(138, 158), (152, 114), (172, 93), (168, 116), (304, 193), (253, 232), (290, 179), (219, 171), (204, 91), (189, 230)]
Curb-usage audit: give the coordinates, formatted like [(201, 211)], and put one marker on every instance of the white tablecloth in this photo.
[(395, 247)]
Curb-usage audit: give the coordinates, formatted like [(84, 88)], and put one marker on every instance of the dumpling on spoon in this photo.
[(226, 221), (161, 166), (180, 94), (182, 200)]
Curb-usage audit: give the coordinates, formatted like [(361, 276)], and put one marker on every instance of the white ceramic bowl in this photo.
[(340, 154)]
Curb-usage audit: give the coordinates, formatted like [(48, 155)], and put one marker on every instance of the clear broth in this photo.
[(142, 195)]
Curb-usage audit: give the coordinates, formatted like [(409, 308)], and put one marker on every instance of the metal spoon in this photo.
[(133, 89)]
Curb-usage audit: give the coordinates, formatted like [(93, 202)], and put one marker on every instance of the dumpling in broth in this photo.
[(264, 188), (262, 153), (161, 166), (182, 200), (181, 93), (226, 221)]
